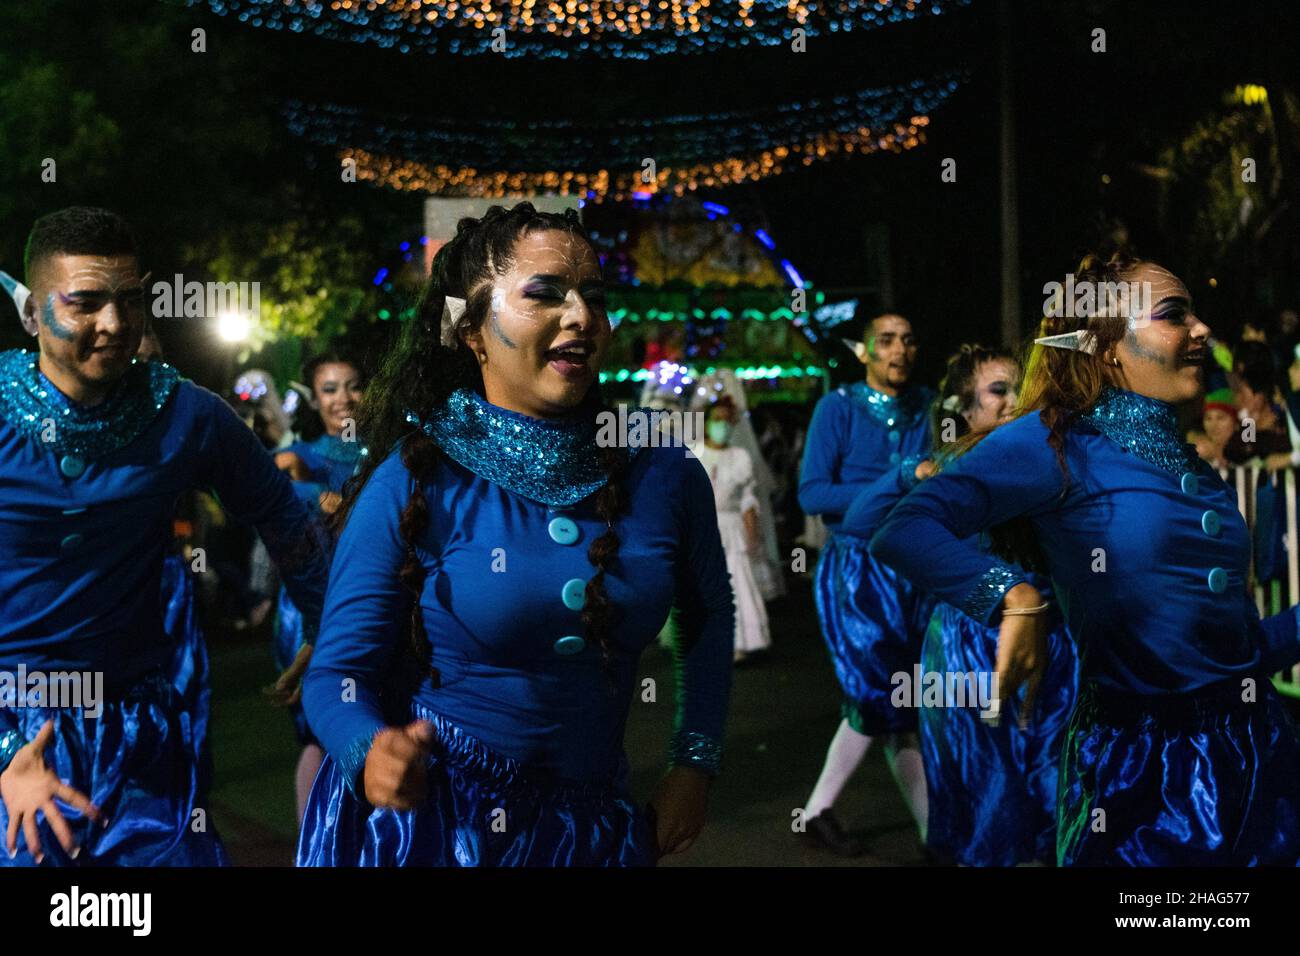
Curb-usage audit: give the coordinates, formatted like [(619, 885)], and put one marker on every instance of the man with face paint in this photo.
[(1179, 751), (95, 448), (872, 620)]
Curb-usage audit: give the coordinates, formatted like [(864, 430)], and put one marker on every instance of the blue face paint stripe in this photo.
[(52, 322), (498, 331)]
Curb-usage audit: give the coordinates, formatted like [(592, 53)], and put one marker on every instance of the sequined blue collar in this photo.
[(900, 411), (30, 402), (1147, 427), (552, 461)]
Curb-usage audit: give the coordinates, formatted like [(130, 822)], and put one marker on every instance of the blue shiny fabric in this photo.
[(873, 622), (992, 788), (482, 809), (136, 763), (1155, 595), (188, 671), (1208, 781)]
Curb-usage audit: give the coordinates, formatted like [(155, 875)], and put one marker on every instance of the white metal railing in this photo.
[(1279, 594)]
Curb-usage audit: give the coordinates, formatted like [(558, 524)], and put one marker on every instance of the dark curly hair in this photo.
[(959, 382), (419, 374)]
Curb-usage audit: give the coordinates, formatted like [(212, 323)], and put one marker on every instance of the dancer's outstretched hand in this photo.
[(287, 690), (396, 772), (27, 786), (679, 805), (1022, 649)]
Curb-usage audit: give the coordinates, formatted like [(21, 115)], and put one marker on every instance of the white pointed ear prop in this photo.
[(452, 309), (1080, 340), (20, 294), (858, 348)]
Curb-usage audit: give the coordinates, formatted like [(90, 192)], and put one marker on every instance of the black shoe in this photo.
[(826, 831)]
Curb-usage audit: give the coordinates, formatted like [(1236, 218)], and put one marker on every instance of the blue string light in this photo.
[(578, 28)]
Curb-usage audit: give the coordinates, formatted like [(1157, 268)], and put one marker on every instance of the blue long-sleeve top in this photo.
[(86, 514), (501, 603), (1146, 549), (856, 435)]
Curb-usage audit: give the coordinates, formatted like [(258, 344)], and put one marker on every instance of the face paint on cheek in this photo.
[(871, 348), (498, 301), (1142, 352), (51, 321)]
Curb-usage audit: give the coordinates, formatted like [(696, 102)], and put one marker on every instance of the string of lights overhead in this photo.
[(623, 158), (605, 28)]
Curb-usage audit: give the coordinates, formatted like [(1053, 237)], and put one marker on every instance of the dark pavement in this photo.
[(784, 709)]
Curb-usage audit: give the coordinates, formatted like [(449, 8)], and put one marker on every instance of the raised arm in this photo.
[(876, 500), (930, 537)]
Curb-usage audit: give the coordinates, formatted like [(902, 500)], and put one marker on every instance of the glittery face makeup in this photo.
[(547, 332), (1163, 353), (91, 318), (337, 389), (995, 394), (890, 353)]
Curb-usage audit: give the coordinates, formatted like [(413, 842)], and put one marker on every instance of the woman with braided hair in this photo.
[(991, 781), (1179, 751), (498, 573)]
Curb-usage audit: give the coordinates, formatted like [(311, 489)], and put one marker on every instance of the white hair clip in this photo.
[(452, 309), (1080, 340), (952, 403), (20, 294), (858, 348)]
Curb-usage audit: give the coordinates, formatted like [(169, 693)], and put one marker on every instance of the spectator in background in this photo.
[(1263, 429), (1219, 425)]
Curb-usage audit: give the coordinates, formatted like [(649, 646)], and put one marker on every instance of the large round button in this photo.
[(895, 458), (72, 466), (72, 542), (562, 530), (1191, 485), (569, 645), (574, 594), (1211, 523), (895, 438), (1218, 580)]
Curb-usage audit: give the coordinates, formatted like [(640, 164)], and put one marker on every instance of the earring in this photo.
[(1115, 361)]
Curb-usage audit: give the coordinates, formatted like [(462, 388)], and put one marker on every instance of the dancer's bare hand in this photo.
[(680, 804), (1022, 649), (28, 786), (287, 690), (292, 463), (925, 469), (396, 772)]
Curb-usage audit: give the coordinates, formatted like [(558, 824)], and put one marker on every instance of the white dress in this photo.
[(731, 470)]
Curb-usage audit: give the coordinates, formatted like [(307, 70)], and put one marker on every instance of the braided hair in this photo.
[(419, 374)]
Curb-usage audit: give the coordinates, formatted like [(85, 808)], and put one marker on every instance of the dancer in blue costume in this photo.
[(94, 449), (1179, 751), (319, 469), (991, 783), (872, 620), (501, 568)]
